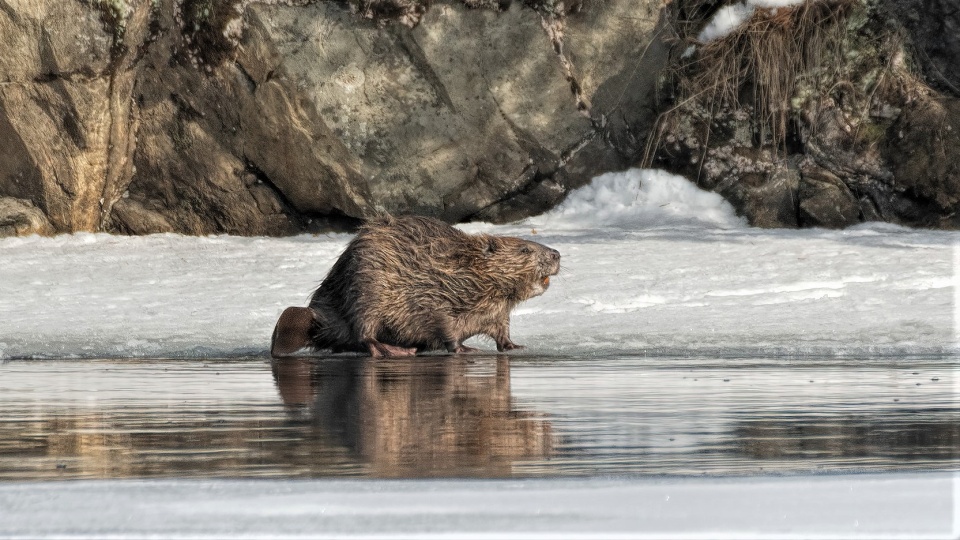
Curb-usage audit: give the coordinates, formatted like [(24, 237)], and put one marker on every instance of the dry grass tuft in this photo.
[(758, 65)]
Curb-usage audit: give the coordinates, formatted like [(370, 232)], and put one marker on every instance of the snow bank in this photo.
[(641, 199), (651, 265), (729, 18)]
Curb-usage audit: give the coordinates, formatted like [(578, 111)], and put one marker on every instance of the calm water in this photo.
[(476, 416)]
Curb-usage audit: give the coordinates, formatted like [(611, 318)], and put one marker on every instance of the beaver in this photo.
[(411, 284)]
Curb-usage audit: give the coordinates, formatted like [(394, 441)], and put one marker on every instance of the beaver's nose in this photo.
[(554, 255)]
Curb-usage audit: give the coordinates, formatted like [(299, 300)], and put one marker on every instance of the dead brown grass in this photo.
[(758, 66)]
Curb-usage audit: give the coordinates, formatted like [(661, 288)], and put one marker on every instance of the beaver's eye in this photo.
[(525, 250)]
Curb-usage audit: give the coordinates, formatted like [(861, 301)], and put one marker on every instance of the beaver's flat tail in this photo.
[(293, 331)]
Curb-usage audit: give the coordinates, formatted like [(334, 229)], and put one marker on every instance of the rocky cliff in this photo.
[(275, 117), (259, 117)]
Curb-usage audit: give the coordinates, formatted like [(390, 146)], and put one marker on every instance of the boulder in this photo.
[(766, 202), (19, 217), (825, 201), (131, 217), (470, 113)]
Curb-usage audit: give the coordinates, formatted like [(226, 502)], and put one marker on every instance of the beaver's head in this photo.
[(523, 267)]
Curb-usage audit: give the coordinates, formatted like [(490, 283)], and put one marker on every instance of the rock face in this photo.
[(924, 150), (247, 117), (64, 110), (272, 117), (814, 116), (933, 27)]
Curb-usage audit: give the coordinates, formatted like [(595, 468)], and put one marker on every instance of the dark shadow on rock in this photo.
[(933, 28)]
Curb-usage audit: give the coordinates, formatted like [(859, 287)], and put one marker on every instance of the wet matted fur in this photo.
[(409, 284)]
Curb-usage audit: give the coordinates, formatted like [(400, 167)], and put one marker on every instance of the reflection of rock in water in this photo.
[(911, 436), (421, 416)]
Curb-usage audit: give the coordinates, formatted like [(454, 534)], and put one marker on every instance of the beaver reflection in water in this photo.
[(409, 284)]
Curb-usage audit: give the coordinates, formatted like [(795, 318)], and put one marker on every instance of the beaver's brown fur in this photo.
[(409, 284)]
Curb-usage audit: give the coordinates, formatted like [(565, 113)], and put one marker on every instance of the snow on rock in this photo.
[(726, 20), (651, 265), (729, 18)]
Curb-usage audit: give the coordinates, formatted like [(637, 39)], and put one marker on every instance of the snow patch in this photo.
[(726, 20), (641, 199), (729, 18)]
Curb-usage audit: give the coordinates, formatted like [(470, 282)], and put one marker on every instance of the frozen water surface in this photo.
[(685, 376), (650, 265)]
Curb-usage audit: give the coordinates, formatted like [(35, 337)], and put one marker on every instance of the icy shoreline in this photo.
[(744, 293), (651, 265)]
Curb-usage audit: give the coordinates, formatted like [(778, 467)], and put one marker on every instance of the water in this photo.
[(476, 416)]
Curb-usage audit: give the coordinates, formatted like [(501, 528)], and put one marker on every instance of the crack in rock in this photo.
[(553, 26)]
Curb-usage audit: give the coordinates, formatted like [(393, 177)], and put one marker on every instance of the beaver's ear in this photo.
[(491, 245)]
